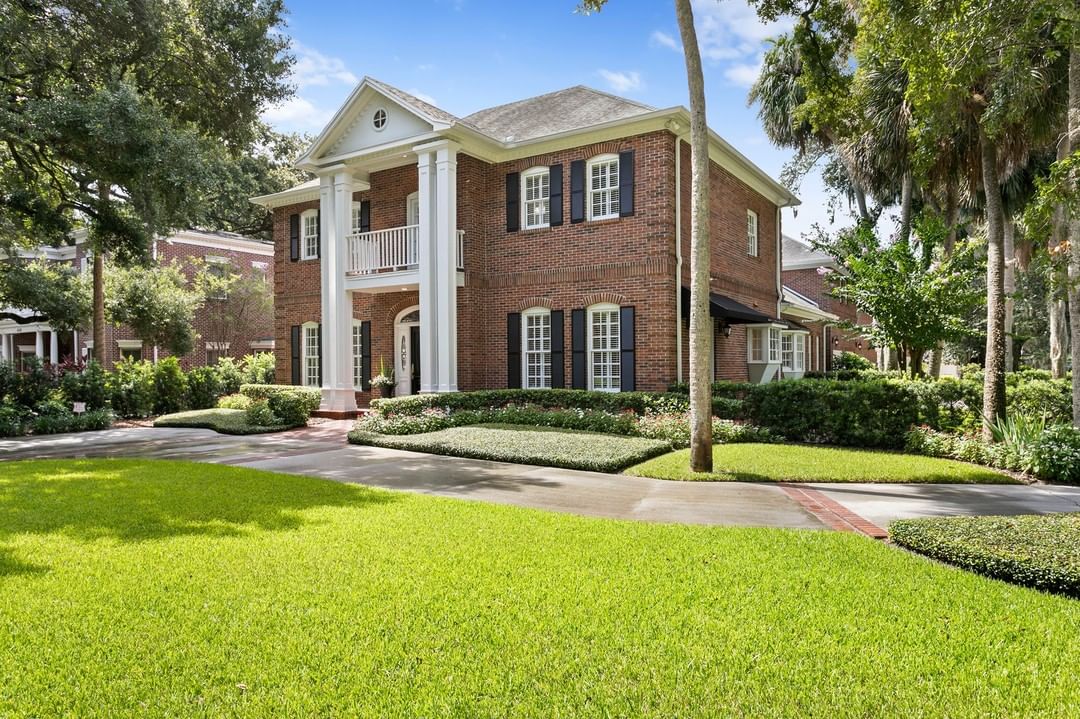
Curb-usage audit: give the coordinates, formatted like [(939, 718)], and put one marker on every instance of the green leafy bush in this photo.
[(52, 417), (234, 401), (310, 396), (1041, 551), (203, 387), (131, 388), (12, 420), (259, 368), (258, 413), (170, 386), (851, 361), (1038, 397), (1055, 457), (94, 419), (230, 375), (33, 385), (291, 408), (90, 384), (857, 413)]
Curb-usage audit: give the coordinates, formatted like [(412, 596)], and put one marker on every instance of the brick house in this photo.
[(30, 336), (535, 244), (814, 315)]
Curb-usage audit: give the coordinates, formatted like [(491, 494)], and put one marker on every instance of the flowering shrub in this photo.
[(1056, 456)]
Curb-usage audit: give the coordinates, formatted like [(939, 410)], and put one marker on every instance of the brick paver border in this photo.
[(831, 512)]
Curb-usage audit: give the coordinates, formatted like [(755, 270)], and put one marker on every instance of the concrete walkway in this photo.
[(321, 451)]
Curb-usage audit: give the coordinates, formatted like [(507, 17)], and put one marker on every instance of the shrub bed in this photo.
[(544, 446), (1054, 456), (1036, 551), (225, 421), (576, 399)]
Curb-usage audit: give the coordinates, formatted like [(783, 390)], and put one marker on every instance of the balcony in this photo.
[(396, 249)]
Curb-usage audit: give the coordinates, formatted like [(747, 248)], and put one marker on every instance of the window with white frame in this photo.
[(535, 198), (755, 344), (311, 354), (751, 233), (603, 187), (800, 352), (357, 355), (355, 218), (603, 341), (787, 351), (536, 346), (774, 344), (309, 234)]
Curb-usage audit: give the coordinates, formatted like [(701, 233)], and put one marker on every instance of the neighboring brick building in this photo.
[(242, 254), (809, 304), (544, 243)]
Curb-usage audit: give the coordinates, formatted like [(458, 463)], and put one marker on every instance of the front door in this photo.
[(414, 352)]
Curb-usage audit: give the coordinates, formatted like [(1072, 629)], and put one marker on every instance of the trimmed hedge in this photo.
[(856, 413), (225, 421), (1040, 551), (525, 445)]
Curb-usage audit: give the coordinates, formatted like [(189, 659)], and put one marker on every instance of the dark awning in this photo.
[(727, 309)]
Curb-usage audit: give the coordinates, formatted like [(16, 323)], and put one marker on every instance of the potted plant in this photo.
[(384, 381)]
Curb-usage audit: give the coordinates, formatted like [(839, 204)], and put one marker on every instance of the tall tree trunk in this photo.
[(906, 191), (860, 202), (98, 328), (994, 382), (917, 362), (952, 219), (1074, 236), (700, 255), (1009, 249), (1059, 278)]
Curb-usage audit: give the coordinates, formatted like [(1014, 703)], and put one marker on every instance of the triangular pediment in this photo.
[(375, 115)]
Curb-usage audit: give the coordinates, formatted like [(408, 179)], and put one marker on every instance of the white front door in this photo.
[(406, 361), (412, 210)]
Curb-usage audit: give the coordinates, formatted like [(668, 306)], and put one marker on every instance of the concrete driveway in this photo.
[(321, 451)]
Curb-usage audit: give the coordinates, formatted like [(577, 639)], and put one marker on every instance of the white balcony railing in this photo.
[(397, 248)]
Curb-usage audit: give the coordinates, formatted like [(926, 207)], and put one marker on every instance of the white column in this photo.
[(335, 197), (54, 347), (428, 272), (39, 344), (446, 265), (76, 353), (5, 348)]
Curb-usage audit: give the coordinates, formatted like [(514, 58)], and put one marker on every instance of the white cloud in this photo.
[(423, 96), (742, 73), (313, 68), (622, 81), (731, 29), (297, 114), (426, 67), (662, 39)]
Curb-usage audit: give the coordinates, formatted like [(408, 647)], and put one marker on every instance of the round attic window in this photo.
[(378, 120)]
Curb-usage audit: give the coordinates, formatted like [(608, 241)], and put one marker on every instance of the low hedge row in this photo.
[(540, 446), (225, 421), (1040, 551), (275, 404), (1054, 456)]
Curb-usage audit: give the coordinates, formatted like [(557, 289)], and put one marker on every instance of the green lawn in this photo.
[(802, 463), (1040, 551), (133, 588), (226, 421), (545, 446)]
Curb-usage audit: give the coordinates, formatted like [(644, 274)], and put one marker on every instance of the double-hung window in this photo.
[(755, 344), (800, 352), (535, 198), (536, 343), (751, 233), (787, 351), (357, 355), (309, 234), (603, 180), (311, 354), (774, 344), (355, 218), (604, 372)]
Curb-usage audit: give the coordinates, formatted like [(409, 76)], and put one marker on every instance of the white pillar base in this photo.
[(338, 400)]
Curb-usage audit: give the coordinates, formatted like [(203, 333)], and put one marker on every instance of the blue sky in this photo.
[(464, 55)]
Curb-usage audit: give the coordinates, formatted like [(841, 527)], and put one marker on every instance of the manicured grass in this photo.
[(545, 446), (1040, 551), (803, 463), (226, 421), (132, 588)]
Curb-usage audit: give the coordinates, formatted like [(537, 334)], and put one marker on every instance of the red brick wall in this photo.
[(815, 286)]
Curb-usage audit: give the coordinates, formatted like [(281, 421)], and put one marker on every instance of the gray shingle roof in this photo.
[(427, 108), (798, 253), (571, 109)]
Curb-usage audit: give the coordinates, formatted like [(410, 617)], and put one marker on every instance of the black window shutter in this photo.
[(558, 364), (577, 349), (318, 233), (320, 354), (365, 216), (627, 382), (577, 191), (365, 356), (555, 194), (513, 201), (513, 350), (294, 350), (294, 237), (626, 183)]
